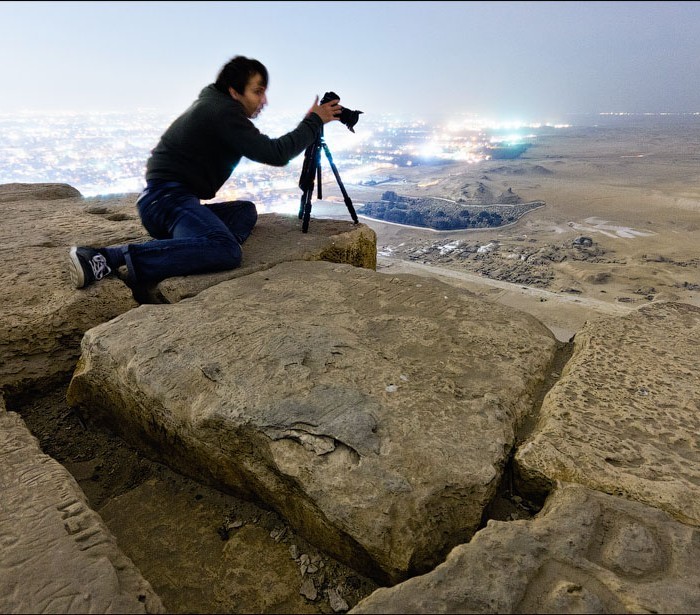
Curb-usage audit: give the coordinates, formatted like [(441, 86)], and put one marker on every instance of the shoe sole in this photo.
[(75, 269)]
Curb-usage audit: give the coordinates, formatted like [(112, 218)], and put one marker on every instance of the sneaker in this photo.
[(87, 265)]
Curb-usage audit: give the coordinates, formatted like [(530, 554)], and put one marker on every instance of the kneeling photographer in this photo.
[(193, 159)]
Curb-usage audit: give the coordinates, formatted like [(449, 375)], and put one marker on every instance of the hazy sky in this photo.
[(524, 60)]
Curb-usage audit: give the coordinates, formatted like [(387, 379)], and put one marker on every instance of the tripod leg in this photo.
[(346, 197), (310, 169), (305, 214), (305, 203), (302, 204)]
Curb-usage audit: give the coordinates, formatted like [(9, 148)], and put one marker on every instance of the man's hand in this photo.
[(328, 112)]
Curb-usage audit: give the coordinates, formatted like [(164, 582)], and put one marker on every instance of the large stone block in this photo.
[(586, 552), (277, 238), (42, 317), (625, 416), (57, 556), (375, 413)]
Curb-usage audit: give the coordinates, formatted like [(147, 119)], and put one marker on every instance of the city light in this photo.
[(106, 153)]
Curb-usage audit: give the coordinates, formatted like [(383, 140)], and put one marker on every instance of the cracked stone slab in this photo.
[(585, 552), (57, 554), (624, 418), (374, 413)]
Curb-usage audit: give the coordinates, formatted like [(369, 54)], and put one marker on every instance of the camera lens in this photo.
[(347, 116)]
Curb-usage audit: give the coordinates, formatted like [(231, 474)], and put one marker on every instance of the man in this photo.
[(192, 160)]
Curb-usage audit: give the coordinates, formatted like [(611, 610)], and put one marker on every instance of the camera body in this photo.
[(347, 116)]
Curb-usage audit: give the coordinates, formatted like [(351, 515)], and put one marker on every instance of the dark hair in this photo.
[(237, 72)]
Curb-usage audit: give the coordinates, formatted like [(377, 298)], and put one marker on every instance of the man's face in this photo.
[(254, 97)]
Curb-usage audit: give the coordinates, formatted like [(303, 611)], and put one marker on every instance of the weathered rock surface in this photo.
[(44, 317), (57, 556), (586, 552), (374, 413), (625, 416), (36, 192), (217, 575), (277, 239)]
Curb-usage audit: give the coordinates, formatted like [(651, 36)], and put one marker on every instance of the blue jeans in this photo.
[(190, 238)]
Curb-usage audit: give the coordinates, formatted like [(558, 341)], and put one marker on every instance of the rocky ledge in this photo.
[(377, 414)]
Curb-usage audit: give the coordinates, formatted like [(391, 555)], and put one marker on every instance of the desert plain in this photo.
[(632, 188)]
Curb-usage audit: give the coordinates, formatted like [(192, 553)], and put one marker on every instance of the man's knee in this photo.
[(246, 218), (239, 217), (249, 213), (228, 251)]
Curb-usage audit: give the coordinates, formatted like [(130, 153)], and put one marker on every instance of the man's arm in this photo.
[(251, 143)]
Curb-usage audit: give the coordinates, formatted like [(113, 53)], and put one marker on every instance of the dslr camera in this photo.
[(347, 116)]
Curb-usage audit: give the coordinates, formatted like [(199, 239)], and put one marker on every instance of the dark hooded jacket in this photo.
[(203, 146)]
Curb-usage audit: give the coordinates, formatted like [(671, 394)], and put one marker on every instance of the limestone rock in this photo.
[(37, 192), (277, 238), (308, 589), (196, 571), (57, 554), (336, 601), (625, 416), (43, 318), (586, 552), (375, 413)]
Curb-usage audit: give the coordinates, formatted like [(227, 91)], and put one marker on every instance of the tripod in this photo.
[(312, 169)]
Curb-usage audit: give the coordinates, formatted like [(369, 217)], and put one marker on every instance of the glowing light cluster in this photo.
[(106, 153)]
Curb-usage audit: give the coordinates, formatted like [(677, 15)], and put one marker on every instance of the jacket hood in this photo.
[(211, 92)]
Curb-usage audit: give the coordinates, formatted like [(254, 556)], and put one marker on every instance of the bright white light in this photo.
[(511, 139), (431, 150)]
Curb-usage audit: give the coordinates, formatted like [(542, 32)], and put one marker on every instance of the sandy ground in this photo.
[(634, 192)]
